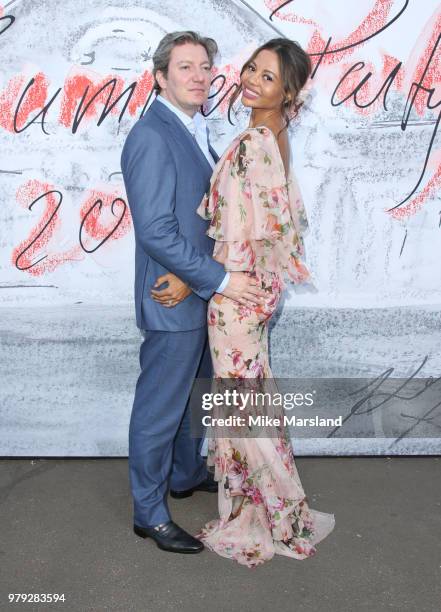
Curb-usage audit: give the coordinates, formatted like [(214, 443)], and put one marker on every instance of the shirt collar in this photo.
[(198, 121)]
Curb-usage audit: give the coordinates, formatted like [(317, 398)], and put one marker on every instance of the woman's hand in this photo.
[(176, 291)]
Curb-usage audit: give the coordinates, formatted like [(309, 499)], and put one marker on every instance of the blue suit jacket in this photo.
[(166, 175)]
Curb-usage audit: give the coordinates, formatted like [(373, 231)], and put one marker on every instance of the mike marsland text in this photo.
[(266, 421)]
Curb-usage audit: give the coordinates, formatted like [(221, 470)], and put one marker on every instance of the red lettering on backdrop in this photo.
[(77, 86), (432, 78), (8, 100), (32, 254), (144, 86), (225, 82), (374, 20), (365, 87), (389, 63), (34, 100), (277, 9), (420, 100), (86, 83), (103, 216), (429, 191)]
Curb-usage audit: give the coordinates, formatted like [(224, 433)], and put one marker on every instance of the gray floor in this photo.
[(66, 528)]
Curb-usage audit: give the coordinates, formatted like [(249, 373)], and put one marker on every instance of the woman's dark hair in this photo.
[(295, 68)]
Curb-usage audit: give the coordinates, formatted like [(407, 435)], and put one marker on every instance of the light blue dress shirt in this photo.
[(197, 126)]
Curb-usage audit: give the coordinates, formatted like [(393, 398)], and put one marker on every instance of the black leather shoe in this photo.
[(209, 485), (170, 537)]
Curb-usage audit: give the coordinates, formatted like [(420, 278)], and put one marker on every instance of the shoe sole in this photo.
[(179, 495), (143, 535), (184, 494)]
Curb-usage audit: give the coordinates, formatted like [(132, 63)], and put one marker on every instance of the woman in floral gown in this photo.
[(257, 219)]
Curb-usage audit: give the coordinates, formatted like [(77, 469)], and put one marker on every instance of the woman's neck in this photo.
[(269, 118)]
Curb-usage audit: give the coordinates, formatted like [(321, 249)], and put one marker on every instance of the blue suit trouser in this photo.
[(162, 452)]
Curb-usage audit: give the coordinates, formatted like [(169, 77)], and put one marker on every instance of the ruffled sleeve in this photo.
[(250, 200)]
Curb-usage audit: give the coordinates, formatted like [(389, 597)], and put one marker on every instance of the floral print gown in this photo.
[(257, 219)]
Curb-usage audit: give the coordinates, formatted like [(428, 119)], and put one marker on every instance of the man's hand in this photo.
[(244, 289), (176, 291)]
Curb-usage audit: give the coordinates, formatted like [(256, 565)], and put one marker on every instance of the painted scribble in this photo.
[(64, 127)]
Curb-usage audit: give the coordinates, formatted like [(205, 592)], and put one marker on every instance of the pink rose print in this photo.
[(257, 223)]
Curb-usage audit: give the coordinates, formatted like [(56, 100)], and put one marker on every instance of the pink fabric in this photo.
[(256, 218)]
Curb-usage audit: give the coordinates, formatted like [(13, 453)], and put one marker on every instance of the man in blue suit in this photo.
[(167, 162)]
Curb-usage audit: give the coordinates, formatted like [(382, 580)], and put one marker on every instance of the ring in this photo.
[(169, 302)]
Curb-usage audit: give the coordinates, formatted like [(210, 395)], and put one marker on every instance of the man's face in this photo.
[(189, 77)]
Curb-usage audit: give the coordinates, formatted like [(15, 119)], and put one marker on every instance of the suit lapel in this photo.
[(181, 132), (196, 148), (214, 155)]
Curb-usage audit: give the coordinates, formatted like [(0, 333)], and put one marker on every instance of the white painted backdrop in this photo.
[(367, 158)]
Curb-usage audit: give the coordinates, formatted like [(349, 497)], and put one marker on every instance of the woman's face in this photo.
[(262, 86)]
